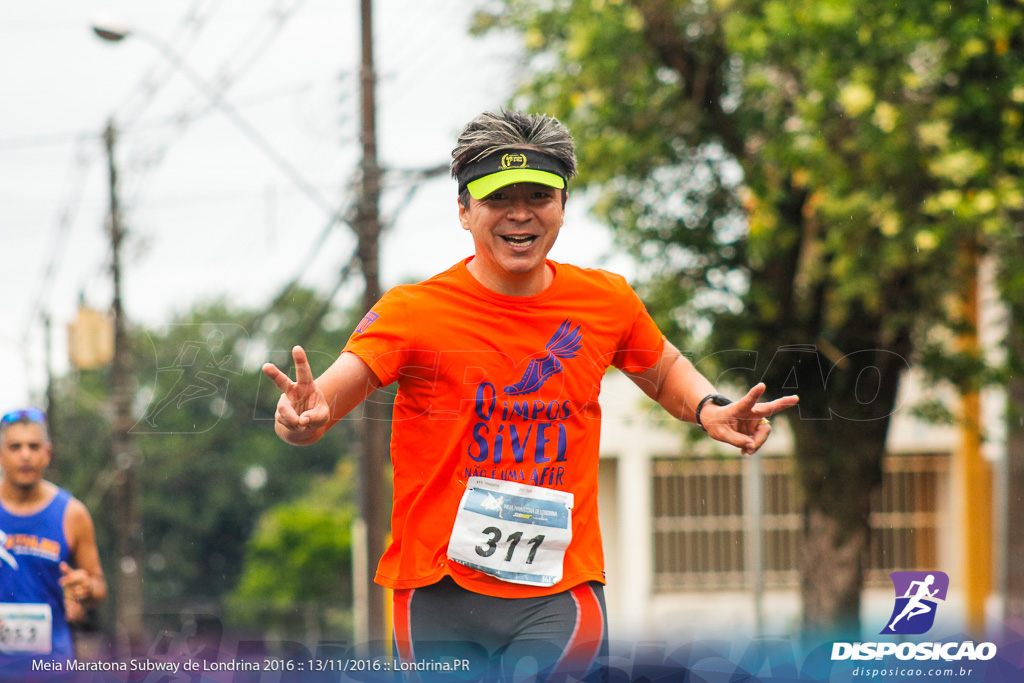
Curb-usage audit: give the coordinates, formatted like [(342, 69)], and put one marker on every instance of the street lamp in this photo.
[(367, 230), (113, 31), (110, 29)]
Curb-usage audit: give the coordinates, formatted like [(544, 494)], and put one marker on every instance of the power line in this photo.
[(315, 248), (199, 112), (219, 84), (72, 199), (73, 190), (275, 19), (50, 140), (71, 137), (150, 160), (250, 50), (417, 178), (152, 81), (427, 47)]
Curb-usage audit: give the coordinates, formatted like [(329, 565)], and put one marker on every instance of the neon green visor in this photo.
[(491, 173)]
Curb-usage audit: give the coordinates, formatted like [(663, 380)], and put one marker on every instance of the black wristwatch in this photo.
[(717, 399)]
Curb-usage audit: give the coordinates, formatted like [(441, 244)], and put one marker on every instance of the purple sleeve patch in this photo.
[(367, 320)]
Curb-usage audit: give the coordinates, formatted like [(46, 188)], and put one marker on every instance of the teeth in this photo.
[(516, 239)]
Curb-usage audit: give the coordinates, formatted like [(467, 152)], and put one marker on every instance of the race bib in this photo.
[(514, 532), (25, 628)]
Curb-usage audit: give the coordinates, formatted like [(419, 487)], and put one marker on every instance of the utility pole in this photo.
[(126, 504), (374, 425), (51, 407)]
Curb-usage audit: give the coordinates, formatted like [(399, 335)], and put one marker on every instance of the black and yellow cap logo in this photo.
[(515, 160)]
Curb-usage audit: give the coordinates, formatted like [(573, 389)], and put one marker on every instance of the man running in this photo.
[(499, 361), (50, 569)]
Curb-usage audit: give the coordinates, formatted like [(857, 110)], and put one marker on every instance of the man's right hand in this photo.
[(302, 408)]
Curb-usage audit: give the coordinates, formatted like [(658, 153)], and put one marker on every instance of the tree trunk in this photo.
[(839, 463), (839, 442), (831, 574)]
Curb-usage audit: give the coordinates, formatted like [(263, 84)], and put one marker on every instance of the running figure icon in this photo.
[(915, 605)]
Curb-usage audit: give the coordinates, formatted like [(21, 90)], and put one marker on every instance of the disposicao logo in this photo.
[(917, 597)]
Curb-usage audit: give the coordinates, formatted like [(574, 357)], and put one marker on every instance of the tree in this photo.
[(815, 180), (299, 559), (209, 461)]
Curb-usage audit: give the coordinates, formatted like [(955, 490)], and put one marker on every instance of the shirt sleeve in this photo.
[(643, 343), (381, 339)]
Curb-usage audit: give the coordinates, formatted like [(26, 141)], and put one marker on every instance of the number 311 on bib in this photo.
[(514, 532)]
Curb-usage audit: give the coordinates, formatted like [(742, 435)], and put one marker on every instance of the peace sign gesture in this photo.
[(744, 423), (303, 407)]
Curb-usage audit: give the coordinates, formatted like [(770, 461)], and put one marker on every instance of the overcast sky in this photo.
[(209, 209)]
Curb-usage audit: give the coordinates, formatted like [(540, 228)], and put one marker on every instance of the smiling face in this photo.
[(24, 455), (513, 230)]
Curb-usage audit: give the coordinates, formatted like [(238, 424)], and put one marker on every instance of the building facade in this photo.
[(681, 534)]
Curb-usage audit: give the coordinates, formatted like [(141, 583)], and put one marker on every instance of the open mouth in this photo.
[(519, 240)]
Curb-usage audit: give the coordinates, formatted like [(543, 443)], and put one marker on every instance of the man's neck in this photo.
[(527, 284), (25, 499)]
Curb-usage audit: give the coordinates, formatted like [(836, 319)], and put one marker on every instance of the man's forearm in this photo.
[(682, 389)]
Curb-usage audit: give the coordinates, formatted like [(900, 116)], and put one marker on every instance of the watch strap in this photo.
[(715, 398)]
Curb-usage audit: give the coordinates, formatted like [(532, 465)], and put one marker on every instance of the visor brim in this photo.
[(481, 187)]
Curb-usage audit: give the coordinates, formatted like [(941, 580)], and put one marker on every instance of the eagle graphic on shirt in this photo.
[(563, 344)]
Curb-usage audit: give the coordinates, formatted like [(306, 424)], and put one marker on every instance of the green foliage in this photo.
[(300, 553), (208, 462), (802, 166), (809, 182)]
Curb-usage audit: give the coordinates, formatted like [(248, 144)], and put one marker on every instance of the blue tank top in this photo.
[(36, 544)]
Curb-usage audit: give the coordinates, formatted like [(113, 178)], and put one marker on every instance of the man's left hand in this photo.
[(745, 422), (77, 583)]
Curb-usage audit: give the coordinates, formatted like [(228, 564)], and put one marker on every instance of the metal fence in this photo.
[(701, 526)]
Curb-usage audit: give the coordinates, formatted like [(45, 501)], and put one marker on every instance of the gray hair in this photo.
[(490, 133)]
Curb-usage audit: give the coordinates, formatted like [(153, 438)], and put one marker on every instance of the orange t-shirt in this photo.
[(497, 386)]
